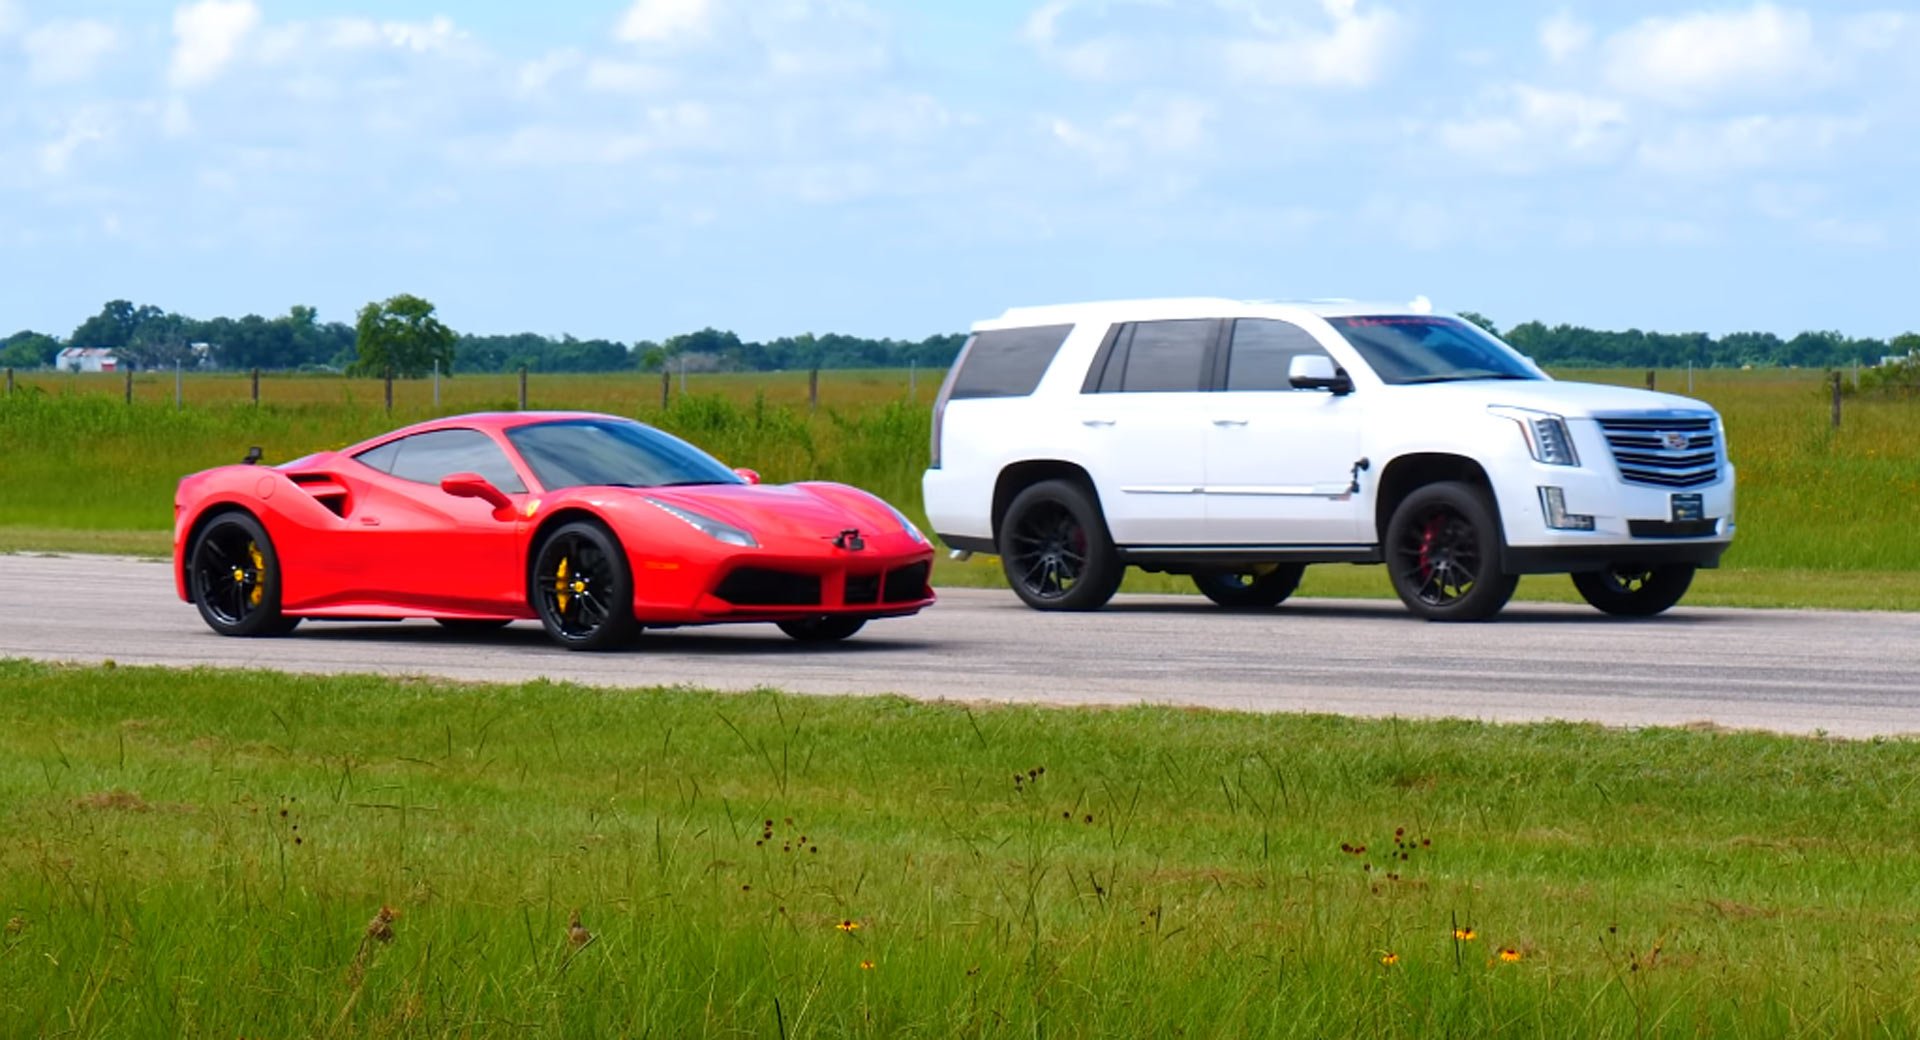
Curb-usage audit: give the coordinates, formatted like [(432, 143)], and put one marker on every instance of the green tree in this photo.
[(402, 335), (27, 349), (1481, 320)]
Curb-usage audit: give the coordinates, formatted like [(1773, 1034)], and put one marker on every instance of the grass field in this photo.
[(1826, 517), (203, 854)]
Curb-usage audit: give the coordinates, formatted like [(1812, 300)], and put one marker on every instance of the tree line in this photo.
[(404, 334)]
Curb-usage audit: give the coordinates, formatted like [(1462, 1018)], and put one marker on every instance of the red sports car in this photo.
[(594, 524)]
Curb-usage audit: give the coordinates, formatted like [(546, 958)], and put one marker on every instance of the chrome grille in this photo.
[(1669, 451)]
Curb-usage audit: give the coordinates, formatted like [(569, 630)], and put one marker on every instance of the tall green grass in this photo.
[(201, 854)]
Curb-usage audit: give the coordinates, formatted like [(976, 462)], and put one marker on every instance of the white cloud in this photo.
[(1746, 143), (1692, 57), (68, 51), (1353, 52), (206, 35), (1544, 128), (12, 19), (1563, 36), (626, 77), (88, 126), (663, 21)]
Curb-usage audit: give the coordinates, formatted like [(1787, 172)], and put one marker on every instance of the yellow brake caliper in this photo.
[(560, 586), (259, 575)]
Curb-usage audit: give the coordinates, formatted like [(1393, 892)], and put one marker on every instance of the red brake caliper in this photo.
[(1426, 548)]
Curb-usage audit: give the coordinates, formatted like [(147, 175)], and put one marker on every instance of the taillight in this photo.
[(940, 403)]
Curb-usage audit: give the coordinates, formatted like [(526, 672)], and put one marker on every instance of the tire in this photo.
[(233, 578), (1443, 549), (1251, 588), (581, 585), (1628, 590), (472, 626), (829, 629), (1055, 548)]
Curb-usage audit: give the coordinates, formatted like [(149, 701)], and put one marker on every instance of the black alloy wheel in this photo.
[(473, 626), (1251, 588), (233, 577), (1630, 590), (583, 588), (831, 628), (1443, 549), (1055, 549)]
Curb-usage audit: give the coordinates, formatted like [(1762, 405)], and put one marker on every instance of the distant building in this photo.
[(87, 359)]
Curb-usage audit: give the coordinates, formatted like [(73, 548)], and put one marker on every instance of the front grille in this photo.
[(1672, 528), (1650, 450), (908, 583), (762, 587), (862, 589)]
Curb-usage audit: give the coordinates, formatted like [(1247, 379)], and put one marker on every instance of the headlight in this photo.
[(1547, 437), (906, 524), (714, 529)]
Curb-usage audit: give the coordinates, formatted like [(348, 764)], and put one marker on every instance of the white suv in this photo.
[(1239, 442)]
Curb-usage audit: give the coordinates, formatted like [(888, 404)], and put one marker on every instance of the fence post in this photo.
[(683, 376), (1649, 378), (389, 389), (176, 386), (1836, 400), (436, 384), (666, 386), (256, 388), (813, 389), (9, 382), (1689, 377), (913, 380), (129, 371), (523, 388)]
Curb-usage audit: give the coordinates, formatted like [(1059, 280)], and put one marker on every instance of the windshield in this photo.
[(1404, 349), (614, 453)]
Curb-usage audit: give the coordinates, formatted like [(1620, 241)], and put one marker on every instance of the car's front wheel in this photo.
[(233, 576), (827, 629), (1443, 548), (1627, 590), (1262, 585), (1055, 549), (583, 588)]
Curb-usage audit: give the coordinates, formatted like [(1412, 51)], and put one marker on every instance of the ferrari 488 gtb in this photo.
[(594, 524)]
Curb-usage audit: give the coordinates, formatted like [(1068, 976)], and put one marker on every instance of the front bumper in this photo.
[(1632, 523), (759, 586)]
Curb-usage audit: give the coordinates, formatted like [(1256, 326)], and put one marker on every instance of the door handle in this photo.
[(1097, 422), (369, 521), (1230, 422)]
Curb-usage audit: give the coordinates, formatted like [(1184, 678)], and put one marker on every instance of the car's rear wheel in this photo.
[(1055, 549), (828, 629), (1631, 590), (1262, 585), (233, 577), (583, 588), (1443, 548), (473, 626)]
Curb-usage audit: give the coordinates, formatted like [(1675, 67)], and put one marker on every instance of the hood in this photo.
[(1573, 400), (799, 510)]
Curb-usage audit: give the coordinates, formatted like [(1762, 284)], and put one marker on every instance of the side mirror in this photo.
[(750, 476), (1317, 372), (473, 485)]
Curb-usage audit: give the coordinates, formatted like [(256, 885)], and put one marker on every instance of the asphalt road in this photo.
[(1848, 674)]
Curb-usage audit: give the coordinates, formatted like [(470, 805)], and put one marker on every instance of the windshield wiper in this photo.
[(689, 483), (1463, 378)]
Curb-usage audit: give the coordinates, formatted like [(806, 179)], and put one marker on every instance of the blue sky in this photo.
[(635, 168)]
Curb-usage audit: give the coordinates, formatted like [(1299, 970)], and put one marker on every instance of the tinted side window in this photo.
[(1262, 351), (381, 458), (1165, 356), (425, 458), (1007, 362)]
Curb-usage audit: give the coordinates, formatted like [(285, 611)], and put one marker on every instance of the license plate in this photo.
[(1688, 507)]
